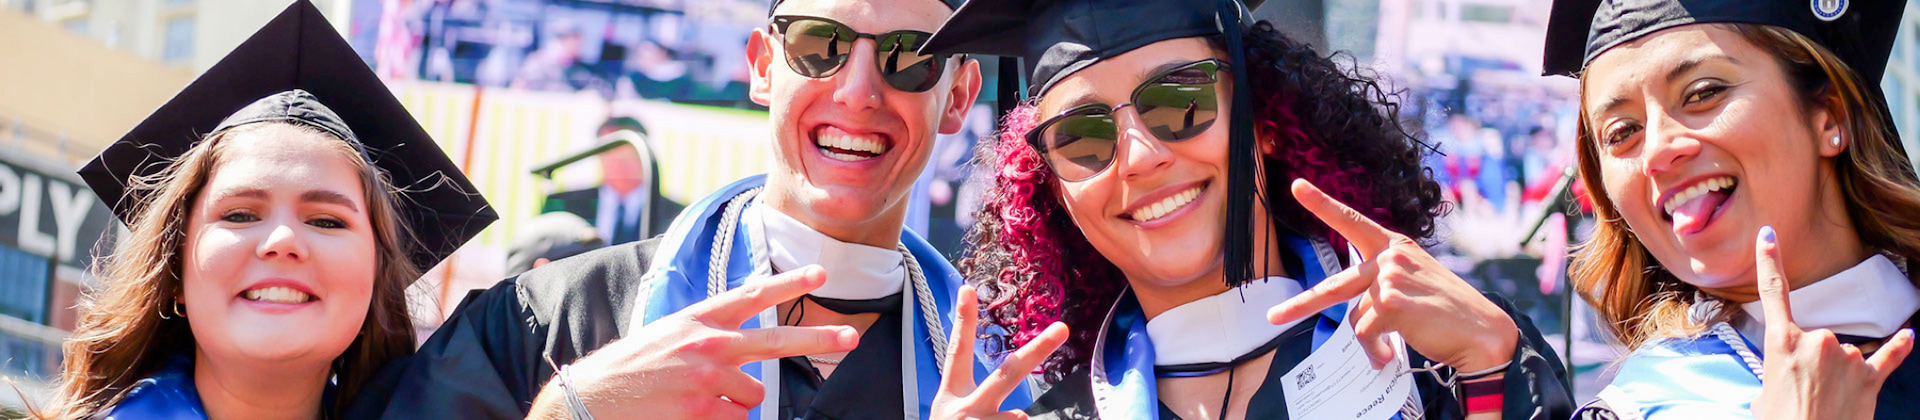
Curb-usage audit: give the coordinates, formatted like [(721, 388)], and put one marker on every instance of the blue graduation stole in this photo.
[(1712, 375), (678, 278), (1124, 383)]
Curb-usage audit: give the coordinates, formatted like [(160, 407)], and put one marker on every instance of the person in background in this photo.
[(627, 206), (1756, 215), (264, 268)]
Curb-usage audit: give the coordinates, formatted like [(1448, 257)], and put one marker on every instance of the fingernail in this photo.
[(1766, 234), (849, 338)]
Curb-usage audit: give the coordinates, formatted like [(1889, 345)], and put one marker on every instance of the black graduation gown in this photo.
[(485, 362), (586, 204), (1534, 389)]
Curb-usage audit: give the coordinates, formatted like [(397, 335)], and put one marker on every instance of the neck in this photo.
[(1156, 299), (882, 230), (259, 392)]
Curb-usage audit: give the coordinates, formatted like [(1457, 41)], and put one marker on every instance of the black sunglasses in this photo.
[(817, 47), (1176, 105)]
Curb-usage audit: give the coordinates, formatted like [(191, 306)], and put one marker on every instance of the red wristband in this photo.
[(1486, 395)]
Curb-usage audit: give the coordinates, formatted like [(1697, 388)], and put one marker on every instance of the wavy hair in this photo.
[(1638, 300), (123, 335), (1336, 128)]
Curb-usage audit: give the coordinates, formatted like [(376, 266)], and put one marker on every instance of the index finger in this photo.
[(958, 377), (1356, 227), (1772, 285), (1022, 362), (729, 310), (1340, 287)]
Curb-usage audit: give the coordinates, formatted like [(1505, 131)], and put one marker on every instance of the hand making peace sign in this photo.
[(1402, 288), (959, 398)]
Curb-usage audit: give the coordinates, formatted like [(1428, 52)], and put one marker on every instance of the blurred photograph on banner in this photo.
[(677, 50)]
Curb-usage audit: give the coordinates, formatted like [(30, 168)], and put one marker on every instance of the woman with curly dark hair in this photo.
[(1160, 235)]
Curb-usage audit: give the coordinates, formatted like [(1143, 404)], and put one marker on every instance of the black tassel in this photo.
[(1242, 166)]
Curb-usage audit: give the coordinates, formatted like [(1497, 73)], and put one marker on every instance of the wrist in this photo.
[(1496, 350)]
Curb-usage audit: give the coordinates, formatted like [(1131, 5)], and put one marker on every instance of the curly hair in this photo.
[(1337, 129)]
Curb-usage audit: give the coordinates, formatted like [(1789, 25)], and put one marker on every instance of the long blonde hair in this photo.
[(125, 333), (1638, 300)]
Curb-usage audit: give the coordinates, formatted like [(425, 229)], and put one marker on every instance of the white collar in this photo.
[(1221, 327), (854, 271), (1872, 299)]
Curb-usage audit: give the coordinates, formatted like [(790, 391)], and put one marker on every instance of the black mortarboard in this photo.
[(1859, 32), (285, 72), (1054, 38)]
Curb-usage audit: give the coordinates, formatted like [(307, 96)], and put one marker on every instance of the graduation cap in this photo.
[(297, 70), (1860, 33), (1052, 39)]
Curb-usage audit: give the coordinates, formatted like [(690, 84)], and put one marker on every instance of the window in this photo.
[(179, 41), (24, 282)]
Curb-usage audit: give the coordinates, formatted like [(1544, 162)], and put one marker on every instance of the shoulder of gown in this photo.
[(489, 360), (166, 395)]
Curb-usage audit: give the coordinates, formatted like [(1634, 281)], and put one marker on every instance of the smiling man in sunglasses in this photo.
[(796, 294)]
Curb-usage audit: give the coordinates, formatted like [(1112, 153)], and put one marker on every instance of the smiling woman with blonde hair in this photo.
[(264, 267), (1756, 211)]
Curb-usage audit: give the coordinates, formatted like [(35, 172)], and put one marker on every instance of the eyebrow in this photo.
[(1673, 75), (311, 196), (328, 197)]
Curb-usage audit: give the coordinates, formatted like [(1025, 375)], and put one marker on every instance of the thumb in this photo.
[(1772, 286)]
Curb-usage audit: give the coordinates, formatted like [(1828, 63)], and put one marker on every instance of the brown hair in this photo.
[(124, 333), (1638, 300)]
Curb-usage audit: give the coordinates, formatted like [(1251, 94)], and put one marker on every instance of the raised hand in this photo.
[(1402, 288), (959, 398), (687, 365), (1809, 374)]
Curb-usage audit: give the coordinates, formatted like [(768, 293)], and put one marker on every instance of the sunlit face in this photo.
[(1701, 142), (839, 193), (279, 255), (1158, 211)]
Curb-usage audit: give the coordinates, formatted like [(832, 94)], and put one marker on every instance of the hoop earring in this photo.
[(179, 309)]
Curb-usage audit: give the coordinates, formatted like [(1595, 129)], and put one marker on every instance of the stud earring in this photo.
[(1835, 141)]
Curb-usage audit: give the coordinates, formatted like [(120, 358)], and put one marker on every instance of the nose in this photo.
[(1140, 153), (1669, 144), (857, 85), (284, 241)]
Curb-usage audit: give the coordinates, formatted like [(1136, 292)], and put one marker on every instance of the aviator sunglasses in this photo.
[(818, 47), (1175, 105)]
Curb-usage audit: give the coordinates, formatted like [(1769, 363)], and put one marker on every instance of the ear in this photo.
[(760, 56), (960, 96), (1827, 124)]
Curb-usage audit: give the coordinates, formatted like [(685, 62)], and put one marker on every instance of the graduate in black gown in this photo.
[(1756, 212), (1142, 199), (797, 294)]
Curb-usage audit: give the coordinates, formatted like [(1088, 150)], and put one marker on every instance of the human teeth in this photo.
[(1167, 205), (277, 294), (1711, 185), (834, 138)]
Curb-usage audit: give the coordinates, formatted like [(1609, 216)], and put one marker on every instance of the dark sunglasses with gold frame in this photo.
[(818, 47)]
